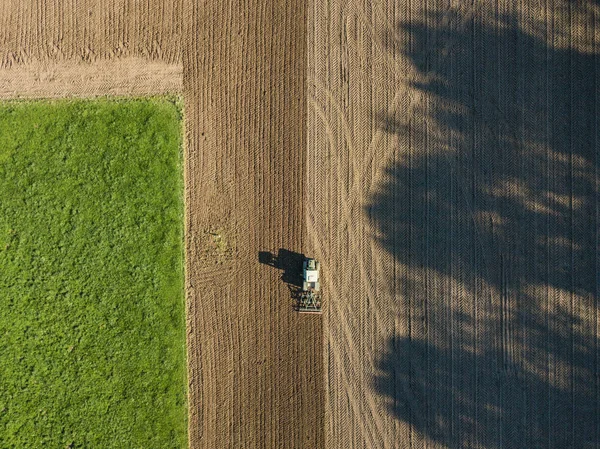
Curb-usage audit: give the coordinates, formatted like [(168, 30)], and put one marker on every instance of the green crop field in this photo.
[(92, 320)]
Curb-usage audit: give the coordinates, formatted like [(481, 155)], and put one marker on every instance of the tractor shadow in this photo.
[(290, 264)]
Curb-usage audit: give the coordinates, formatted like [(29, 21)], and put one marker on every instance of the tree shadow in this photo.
[(494, 187), (494, 406)]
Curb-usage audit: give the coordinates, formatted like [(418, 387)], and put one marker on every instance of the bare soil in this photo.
[(90, 30), (256, 366), (127, 76), (452, 191)]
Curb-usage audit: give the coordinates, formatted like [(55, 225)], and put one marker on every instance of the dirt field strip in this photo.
[(128, 76), (256, 376), (452, 190)]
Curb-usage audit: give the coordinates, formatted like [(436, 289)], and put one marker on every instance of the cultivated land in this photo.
[(453, 195), (256, 369), (447, 180), (91, 276)]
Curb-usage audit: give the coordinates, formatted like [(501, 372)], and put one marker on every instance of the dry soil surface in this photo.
[(256, 366), (90, 30), (126, 76), (452, 191), (65, 48)]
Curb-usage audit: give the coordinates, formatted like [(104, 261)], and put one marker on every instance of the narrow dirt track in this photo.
[(453, 193), (256, 367), (128, 76)]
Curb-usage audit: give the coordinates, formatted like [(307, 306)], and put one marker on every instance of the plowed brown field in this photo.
[(90, 30), (258, 376), (453, 193)]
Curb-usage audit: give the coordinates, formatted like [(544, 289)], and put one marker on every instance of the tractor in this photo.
[(310, 297)]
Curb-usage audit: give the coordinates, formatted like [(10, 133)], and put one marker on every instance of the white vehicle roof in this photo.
[(311, 275)]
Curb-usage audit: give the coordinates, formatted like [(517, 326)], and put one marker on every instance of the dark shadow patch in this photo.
[(495, 187), (288, 261)]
